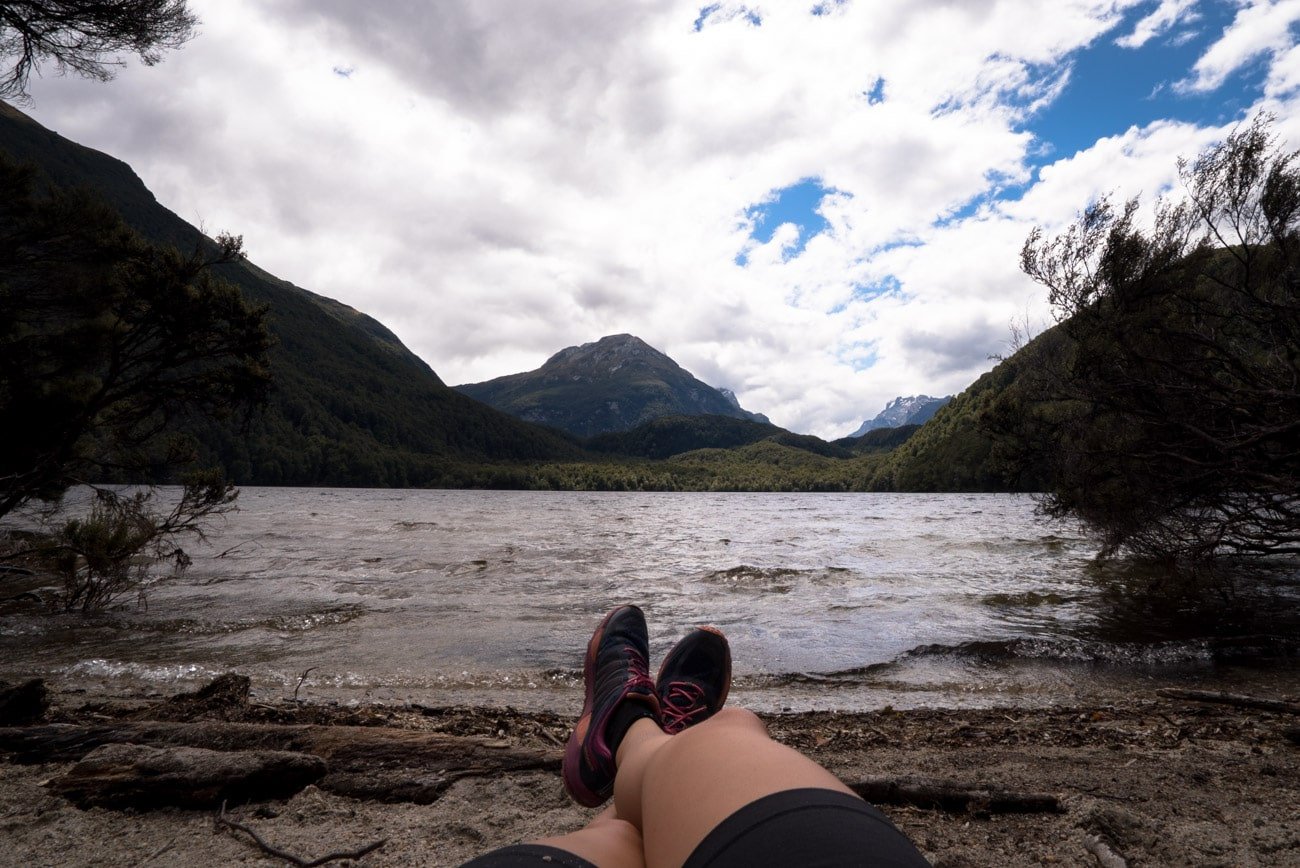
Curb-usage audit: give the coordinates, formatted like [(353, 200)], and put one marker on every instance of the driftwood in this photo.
[(221, 820), (1106, 857), (376, 763), (1234, 699), (136, 776), (953, 797)]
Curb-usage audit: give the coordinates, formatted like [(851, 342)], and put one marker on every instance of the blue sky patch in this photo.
[(884, 286), (827, 7), (795, 204), (707, 11), (1113, 88)]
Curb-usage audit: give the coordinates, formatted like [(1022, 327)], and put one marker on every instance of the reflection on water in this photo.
[(830, 601)]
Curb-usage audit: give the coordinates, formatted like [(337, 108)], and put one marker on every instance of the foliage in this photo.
[(106, 340), (957, 450), (86, 36), (1170, 417), (117, 546), (879, 439), (666, 436)]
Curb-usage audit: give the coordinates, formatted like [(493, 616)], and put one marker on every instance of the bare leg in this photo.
[(676, 789), (606, 841)]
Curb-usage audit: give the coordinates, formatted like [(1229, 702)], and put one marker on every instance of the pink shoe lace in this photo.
[(685, 702)]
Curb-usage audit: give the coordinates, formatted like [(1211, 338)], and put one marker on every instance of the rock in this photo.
[(23, 703), (138, 776), (223, 698)]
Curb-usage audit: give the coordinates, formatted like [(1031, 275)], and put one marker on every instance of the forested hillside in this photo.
[(350, 404), (956, 450)]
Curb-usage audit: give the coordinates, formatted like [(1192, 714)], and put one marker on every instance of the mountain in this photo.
[(350, 405), (955, 450), (914, 410), (613, 384), (735, 402)]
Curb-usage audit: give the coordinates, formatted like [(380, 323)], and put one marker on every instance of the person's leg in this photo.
[(723, 781), (607, 841), (677, 789)]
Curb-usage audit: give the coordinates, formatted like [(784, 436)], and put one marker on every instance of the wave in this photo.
[(1068, 650), (772, 580), (297, 622)]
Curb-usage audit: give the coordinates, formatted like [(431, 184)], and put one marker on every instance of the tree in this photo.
[(1168, 410), (114, 548), (107, 341), (86, 36)]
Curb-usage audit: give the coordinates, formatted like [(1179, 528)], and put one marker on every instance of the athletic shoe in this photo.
[(693, 679), (614, 671)]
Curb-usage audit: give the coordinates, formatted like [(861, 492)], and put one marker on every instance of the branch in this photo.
[(1106, 857), (221, 820), (1234, 699), (956, 798)]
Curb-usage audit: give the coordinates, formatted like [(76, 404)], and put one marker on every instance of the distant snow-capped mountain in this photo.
[(912, 410)]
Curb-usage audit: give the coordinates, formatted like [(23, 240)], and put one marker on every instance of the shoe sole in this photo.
[(573, 748), (726, 681)]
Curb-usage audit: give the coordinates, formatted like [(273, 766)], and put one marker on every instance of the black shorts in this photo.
[(811, 827)]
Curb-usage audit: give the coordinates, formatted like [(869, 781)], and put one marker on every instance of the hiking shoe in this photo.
[(693, 679), (615, 671)]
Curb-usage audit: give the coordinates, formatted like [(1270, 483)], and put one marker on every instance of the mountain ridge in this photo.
[(610, 385), (909, 410), (351, 405)]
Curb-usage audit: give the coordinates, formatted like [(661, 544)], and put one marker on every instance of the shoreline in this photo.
[(1157, 780)]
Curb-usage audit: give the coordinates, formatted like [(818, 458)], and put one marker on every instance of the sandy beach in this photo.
[(1154, 780)]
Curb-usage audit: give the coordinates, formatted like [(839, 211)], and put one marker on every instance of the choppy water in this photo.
[(830, 601)]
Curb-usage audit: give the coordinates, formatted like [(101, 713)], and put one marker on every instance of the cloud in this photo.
[(500, 180), (1157, 22), (1261, 27)]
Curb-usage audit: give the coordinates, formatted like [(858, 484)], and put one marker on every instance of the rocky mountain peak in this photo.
[(613, 384), (903, 410), (609, 350)]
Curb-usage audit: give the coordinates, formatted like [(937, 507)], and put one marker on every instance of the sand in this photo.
[(1158, 781)]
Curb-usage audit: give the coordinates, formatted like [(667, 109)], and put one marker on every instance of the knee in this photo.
[(739, 717), (730, 719), (615, 829)]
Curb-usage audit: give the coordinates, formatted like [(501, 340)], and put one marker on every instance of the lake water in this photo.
[(845, 601)]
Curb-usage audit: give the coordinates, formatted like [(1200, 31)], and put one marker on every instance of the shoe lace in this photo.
[(683, 704)]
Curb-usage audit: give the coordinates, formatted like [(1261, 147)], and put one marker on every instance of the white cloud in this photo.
[(1284, 75), (495, 181), (1260, 27), (1168, 13)]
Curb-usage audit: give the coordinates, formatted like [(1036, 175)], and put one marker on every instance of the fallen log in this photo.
[(376, 763), (1234, 699), (136, 776), (953, 798)]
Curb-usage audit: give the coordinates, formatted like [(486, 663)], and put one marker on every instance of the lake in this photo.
[(841, 601)]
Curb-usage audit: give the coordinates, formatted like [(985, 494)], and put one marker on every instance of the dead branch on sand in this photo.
[(954, 798), (222, 821)]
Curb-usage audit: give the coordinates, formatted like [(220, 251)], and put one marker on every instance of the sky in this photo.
[(818, 205)]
